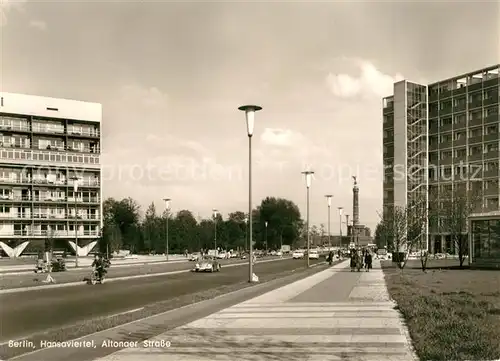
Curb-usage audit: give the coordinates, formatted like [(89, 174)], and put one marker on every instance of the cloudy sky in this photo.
[(170, 77)]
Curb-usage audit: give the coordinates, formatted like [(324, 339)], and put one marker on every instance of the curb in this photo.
[(115, 279)]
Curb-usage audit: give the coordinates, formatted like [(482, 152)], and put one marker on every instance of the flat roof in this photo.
[(50, 107), (464, 75)]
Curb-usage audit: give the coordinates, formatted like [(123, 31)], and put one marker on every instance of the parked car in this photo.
[(298, 254), (194, 257), (207, 264)]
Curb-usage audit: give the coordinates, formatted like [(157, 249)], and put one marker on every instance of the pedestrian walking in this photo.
[(368, 261)]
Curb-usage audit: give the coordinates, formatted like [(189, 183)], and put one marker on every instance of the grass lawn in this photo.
[(452, 314)]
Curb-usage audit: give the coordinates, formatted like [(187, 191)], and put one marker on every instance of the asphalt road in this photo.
[(29, 312), (34, 279)]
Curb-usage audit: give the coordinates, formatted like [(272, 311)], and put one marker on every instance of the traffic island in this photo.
[(451, 314)]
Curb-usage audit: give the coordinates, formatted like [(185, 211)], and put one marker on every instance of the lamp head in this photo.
[(267, 223), (250, 116), (308, 174), (329, 199), (167, 203), (215, 212), (341, 210)]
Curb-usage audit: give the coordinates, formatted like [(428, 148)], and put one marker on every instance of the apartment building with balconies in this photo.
[(450, 137), (46, 145)]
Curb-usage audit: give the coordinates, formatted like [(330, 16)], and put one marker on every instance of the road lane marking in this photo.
[(125, 312)]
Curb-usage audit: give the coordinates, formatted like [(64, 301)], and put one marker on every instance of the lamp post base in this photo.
[(255, 279), (49, 279)]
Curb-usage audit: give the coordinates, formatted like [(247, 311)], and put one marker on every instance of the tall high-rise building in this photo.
[(439, 139), (46, 145)]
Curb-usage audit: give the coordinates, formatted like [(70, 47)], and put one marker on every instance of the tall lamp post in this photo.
[(250, 120), (167, 216), (266, 235), (308, 174), (329, 202), (75, 192), (340, 225), (215, 212), (246, 233)]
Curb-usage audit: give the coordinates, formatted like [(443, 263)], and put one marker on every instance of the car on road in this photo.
[(298, 254), (313, 254), (194, 257), (207, 264)]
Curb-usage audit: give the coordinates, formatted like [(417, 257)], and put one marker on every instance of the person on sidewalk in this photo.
[(354, 259), (368, 261)]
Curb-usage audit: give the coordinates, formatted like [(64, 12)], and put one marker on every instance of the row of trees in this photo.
[(405, 228), (124, 228)]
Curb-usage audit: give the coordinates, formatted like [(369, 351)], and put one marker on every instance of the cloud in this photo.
[(281, 137), (38, 24), (370, 82), (6, 6)]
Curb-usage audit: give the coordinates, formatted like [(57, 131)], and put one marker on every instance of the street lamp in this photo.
[(329, 202), (340, 225), (167, 215), (308, 174), (250, 120), (266, 235), (75, 192), (215, 212), (246, 233)]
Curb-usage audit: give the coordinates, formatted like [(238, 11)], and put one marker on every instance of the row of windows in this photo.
[(476, 97), (463, 152), (474, 115), (48, 156)]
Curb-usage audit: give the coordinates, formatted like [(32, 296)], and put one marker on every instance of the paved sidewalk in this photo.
[(332, 315)]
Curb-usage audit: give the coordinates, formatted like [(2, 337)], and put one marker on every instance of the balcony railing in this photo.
[(48, 156), (56, 234), (12, 198), (15, 127), (43, 128), (67, 148), (28, 180), (63, 216)]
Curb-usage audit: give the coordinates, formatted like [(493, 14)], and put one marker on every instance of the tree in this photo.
[(125, 215), (236, 230), (284, 221), (416, 230), (185, 231), (397, 229), (322, 233), (381, 235), (456, 207), (152, 231), (111, 238)]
